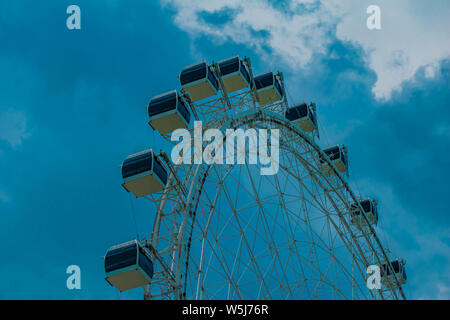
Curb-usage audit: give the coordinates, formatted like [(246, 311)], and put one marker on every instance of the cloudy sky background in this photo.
[(72, 106)]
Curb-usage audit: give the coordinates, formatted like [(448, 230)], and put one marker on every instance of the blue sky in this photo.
[(72, 106)]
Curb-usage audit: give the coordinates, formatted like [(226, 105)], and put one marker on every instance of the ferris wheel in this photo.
[(226, 231)]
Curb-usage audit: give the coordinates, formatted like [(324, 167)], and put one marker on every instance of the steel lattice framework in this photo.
[(227, 232)]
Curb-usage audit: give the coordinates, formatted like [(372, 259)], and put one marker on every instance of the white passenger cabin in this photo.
[(128, 266), (268, 87), (398, 266), (143, 173), (338, 156), (168, 112), (370, 209), (303, 116), (234, 73), (199, 81)]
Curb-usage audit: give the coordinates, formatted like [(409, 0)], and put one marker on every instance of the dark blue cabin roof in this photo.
[(121, 256), (141, 162), (193, 73), (137, 163), (297, 111), (232, 65), (166, 102), (335, 153), (267, 79), (162, 103), (197, 72), (264, 80), (229, 65), (128, 254), (332, 152)]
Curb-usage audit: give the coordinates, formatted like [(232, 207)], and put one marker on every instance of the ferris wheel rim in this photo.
[(264, 115)]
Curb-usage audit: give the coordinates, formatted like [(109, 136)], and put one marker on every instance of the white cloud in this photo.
[(414, 33), (293, 37), (13, 127)]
